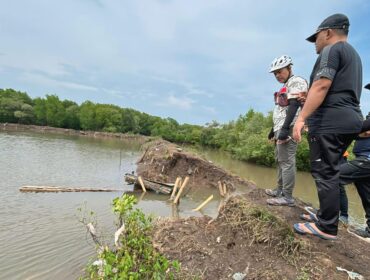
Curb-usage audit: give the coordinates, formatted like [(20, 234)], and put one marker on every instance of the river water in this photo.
[(40, 233)]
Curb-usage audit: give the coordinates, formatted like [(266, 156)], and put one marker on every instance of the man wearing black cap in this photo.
[(333, 117)]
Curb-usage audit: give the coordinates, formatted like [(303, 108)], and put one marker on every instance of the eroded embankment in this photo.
[(164, 162), (247, 236)]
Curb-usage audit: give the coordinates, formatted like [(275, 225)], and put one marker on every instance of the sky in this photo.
[(193, 61)]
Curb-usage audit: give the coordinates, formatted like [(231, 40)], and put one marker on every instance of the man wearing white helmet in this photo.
[(287, 106)]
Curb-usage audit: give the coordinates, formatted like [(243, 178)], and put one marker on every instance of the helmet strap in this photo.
[(290, 74)]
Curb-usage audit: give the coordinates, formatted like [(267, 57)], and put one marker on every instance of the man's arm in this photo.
[(315, 97), (290, 114)]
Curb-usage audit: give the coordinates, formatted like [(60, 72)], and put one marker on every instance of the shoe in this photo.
[(281, 201), (274, 192), (365, 233), (311, 229), (309, 217), (310, 210), (343, 220)]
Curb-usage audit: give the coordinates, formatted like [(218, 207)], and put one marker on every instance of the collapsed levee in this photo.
[(163, 162)]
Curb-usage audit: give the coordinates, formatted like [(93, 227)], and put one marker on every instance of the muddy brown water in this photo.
[(40, 235)]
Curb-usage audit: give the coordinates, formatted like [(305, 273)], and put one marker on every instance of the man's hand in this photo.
[(302, 96), (271, 134), (365, 134), (297, 130), (283, 134)]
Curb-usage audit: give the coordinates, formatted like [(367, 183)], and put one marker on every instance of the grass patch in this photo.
[(261, 226)]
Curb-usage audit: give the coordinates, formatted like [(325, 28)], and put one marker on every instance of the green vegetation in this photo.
[(135, 257), (245, 138)]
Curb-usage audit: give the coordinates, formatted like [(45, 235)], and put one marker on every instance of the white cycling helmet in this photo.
[(280, 62)]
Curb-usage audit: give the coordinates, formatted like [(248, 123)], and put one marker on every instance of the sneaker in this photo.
[(274, 192), (365, 233), (343, 220), (281, 201)]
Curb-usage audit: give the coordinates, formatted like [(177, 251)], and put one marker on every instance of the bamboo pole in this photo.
[(203, 204), (181, 189), (224, 187), (220, 188), (141, 183), (175, 211), (177, 183)]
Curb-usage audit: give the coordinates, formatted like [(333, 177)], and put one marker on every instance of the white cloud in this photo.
[(52, 83), (181, 103), (209, 110)]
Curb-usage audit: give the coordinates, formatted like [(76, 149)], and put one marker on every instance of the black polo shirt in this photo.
[(340, 111)]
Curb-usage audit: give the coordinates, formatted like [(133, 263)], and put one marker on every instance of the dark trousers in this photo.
[(357, 171), (343, 201), (326, 150)]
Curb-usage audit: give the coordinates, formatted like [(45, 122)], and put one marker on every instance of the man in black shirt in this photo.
[(333, 117), (357, 171)]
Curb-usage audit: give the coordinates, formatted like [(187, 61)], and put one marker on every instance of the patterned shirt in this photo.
[(292, 87)]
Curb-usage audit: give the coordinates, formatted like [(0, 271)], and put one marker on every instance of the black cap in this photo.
[(336, 21), (367, 86)]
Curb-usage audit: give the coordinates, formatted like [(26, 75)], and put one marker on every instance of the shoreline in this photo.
[(69, 131)]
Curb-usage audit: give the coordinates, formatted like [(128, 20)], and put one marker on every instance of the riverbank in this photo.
[(247, 236), (66, 131)]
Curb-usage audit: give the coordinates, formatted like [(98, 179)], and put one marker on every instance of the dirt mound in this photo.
[(257, 240), (163, 162)]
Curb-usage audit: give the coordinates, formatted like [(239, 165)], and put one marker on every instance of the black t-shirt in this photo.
[(340, 111)]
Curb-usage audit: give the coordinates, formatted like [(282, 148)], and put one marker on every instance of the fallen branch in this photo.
[(155, 186), (118, 233), (92, 232)]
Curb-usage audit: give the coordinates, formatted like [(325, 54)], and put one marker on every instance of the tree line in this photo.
[(245, 137)]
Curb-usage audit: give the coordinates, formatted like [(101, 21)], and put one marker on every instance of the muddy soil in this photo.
[(247, 236)]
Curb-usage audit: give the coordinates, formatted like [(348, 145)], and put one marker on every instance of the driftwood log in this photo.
[(158, 187), (62, 189)]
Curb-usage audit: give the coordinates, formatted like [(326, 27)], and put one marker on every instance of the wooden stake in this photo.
[(177, 183), (175, 211), (181, 189), (141, 183), (220, 188), (203, 204), (224, 187)]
